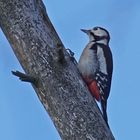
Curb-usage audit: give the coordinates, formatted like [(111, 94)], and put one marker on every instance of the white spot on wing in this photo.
[(102, 60)]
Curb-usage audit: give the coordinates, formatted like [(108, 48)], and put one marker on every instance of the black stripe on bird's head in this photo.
[(97, 34)]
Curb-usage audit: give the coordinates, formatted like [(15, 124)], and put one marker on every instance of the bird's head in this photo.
[(98, 34)]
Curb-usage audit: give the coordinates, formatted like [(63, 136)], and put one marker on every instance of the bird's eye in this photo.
[(95, 28)]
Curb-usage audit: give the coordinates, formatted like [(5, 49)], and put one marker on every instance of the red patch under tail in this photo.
[(94, 90)]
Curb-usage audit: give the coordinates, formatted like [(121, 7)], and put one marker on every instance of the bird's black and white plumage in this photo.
[(96, 65)]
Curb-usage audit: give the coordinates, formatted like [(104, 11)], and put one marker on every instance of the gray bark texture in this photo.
[(60, 88)]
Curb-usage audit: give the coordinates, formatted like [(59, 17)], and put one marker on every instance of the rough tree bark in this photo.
[(60, 88)]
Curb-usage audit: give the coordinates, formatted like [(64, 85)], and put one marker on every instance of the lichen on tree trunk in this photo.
[(60, 88)]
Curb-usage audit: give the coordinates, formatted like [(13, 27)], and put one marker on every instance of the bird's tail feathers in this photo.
[(104, 110)]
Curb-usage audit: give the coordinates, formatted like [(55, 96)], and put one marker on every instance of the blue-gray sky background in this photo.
[(22, 117)]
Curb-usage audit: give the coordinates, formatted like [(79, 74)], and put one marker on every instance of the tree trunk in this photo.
[(60, 88)]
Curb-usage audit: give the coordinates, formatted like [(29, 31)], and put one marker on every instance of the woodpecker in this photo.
[(96, 66)]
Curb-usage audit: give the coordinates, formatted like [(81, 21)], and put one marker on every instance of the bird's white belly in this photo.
[(88, 64)]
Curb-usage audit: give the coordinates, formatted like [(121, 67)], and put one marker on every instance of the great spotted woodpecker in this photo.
[(96, 66)]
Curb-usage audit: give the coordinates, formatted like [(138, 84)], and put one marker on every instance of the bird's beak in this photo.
[(85, 31)]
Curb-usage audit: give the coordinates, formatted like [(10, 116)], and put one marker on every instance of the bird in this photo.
[(96, 66)]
